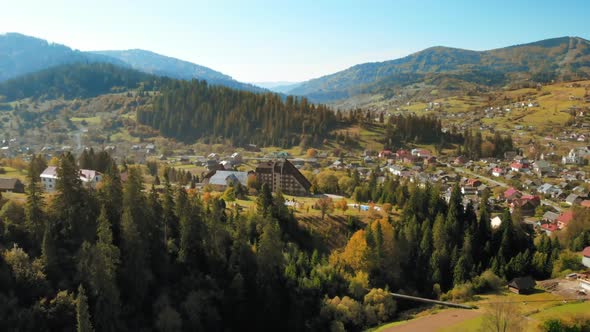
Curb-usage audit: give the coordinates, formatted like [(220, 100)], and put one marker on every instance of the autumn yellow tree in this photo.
[(355, 254)]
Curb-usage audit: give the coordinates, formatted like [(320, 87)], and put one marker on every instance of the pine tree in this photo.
[(454, 221), (82, 314), (34, 215), (48, 251), (264, 201), (134, 270), (111, 197), (190, 232), (104, 277)]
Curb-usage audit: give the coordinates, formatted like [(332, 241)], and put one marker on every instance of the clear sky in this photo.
[(261, 41)]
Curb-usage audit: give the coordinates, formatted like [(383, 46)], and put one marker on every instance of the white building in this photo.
[(576, 156), (586, 257), (87, 176)]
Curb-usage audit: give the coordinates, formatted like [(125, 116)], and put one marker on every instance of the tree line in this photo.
[(80, 80), (189, 111)]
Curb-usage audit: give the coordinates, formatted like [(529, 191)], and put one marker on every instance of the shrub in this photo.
[(488, 281), (461, 292)]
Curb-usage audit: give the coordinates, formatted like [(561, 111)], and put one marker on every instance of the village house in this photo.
[(564, 219), (386, 154), (527, 204), (576, 156), (586, 257), (580, 191), (518, 167), (550, 217), (549, 228), (512, 194), (573, 199), (497, 171), (87, 176), (422, 153), (541, 167), (281, 175), (11, 186), (546, 189), (220, 180)]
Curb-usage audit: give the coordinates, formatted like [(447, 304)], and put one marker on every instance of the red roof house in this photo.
[(549, 228), (511, 194), (385, 154), (565, 218)]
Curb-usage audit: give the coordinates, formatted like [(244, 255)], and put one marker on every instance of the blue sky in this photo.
[(257, 41)]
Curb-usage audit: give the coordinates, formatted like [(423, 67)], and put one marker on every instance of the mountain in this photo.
[(563, 58), (21, 54), (78, 80), (162, 65), (279, 87)]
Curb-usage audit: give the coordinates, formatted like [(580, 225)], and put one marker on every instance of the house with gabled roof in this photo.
[(511, 194), (523, 285), (573, 199), (565, 218), (221, 179), (11, 185), (87, 176)]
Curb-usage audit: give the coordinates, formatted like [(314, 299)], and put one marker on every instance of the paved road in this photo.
[(502, 184)]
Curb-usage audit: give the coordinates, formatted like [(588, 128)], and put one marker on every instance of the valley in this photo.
[(144, 192)]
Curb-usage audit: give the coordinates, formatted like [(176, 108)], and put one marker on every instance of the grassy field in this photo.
[(534, 310), (13, 173)]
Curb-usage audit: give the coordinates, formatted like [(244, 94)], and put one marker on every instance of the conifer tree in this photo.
[(34, 215), (82, 314), (104, 277)]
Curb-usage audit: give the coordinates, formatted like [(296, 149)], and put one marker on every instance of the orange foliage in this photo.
[(355, 254), (342, 204)]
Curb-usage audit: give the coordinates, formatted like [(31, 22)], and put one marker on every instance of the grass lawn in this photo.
[(13, 173), (15, 197), (561, 310)]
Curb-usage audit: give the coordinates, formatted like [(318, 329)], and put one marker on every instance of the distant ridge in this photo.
[(21, 54), (563, 58)]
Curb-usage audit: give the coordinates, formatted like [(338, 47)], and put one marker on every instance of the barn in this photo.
[(522, 285)]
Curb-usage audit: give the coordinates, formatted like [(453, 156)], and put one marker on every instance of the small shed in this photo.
[(522, 285)]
